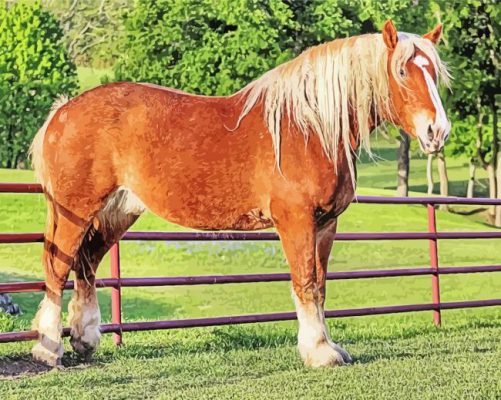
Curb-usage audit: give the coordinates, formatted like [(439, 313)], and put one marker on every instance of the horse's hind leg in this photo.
[(84, 316), (61, 247)]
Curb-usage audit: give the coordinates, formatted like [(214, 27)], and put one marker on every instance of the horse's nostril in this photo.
[(430, 132)]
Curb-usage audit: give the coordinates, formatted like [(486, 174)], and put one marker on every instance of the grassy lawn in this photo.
[(381, 173), (396, 356), (260, 362)]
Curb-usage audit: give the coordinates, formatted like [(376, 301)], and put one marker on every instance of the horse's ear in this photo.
[(435, 34), (390, 35)]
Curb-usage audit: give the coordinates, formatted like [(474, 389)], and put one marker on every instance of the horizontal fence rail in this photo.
[(253, 318), (39, 286), (262, 236), (116, 282)]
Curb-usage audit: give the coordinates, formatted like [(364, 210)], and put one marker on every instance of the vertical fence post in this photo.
[(435, 282), (116, 293)]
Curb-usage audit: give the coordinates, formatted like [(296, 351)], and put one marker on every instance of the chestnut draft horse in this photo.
[(280, 153)]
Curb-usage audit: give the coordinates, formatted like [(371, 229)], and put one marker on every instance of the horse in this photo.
[(279, 153)]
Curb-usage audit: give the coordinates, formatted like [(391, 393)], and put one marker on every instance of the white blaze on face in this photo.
[(441, 125)]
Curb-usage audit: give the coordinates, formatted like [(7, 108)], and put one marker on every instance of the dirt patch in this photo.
[(25, 366), (13, 368)]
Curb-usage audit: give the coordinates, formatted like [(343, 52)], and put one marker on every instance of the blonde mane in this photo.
[(319, 89)]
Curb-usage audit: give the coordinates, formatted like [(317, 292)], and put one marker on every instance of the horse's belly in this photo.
[(210, 218), (209, 208)]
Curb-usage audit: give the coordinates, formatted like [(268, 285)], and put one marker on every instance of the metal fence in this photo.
[(116, 282)]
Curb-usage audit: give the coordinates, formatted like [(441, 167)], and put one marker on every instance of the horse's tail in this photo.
[(42, 176), (36, 148)]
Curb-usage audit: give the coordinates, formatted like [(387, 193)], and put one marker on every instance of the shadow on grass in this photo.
[(228, 339), (135, 307), (467, 212), (456, 188)]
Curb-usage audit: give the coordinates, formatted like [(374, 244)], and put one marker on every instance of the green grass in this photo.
[(381, 174), (397, 356), (260, 362)]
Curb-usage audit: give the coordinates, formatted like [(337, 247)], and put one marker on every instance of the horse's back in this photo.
[(175, 151)]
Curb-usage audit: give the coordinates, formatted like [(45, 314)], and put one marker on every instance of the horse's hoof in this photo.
[(86, 350), (324, 355), (46, 356), (346, 356)]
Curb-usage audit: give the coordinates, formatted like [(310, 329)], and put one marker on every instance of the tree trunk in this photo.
[(9, 144), (492, 188), (497, 218), (403, 165), (429, 174), (471, 181), (497, 160), (444, 180)]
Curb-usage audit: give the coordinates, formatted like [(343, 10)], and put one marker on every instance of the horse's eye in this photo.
[(402, 73)]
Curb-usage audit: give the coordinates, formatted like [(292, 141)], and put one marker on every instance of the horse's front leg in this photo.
[(325, 239), (307, 251)]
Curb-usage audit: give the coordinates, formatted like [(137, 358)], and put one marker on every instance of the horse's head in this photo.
[(414, 69)]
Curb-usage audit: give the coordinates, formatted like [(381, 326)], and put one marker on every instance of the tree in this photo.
[(34, 69), (91, 28), (473, 49), (403, 164), (207, 46)]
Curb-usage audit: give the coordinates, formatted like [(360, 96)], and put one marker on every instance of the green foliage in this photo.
[(91, 28), (469, 138), (208, 46), (473, 48), (34, 69), (408, 15), (7, 322)]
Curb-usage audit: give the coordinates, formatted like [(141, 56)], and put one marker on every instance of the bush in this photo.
[(34, 69), (210, 47)]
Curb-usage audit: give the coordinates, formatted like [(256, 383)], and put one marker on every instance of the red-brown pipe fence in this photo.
[(116, 282)]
